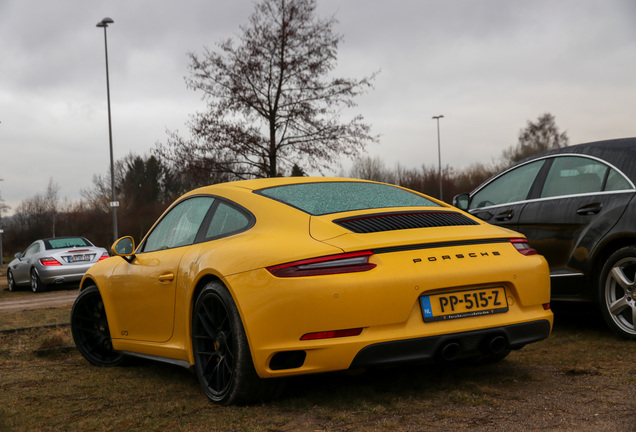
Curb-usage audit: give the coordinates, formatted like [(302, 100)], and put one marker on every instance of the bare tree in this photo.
[(372, 168), (3, 206), (536, 137), (271, 100)]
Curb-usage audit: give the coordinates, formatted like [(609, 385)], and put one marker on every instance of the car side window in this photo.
[(572, 175), (33, 249), (226, 220), (510, 187), (180, 226), (616, 181)]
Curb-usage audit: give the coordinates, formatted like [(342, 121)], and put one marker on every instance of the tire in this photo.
[(89, 327), (222, 358), (36, 283), (11, 281), (617, 292)]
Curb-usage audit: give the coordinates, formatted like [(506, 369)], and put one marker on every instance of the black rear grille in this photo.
[(406, 220)]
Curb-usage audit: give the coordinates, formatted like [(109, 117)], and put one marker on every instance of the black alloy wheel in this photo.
[(223, 362), (617, 292), (89, 327)]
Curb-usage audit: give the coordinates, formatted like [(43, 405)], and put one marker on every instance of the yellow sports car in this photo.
[(259, 279)]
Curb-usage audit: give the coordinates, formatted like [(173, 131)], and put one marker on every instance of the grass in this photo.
[(580, 374)]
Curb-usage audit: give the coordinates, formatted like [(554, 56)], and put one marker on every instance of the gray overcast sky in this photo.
[(488, 66)]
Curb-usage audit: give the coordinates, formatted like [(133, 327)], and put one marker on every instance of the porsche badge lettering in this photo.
[(458, 256)]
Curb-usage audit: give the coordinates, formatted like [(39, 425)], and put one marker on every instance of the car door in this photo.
[(22, 270), (502, 200), (579, 202), (145, 288)]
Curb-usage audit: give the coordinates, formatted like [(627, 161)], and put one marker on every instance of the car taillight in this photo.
[(333, 264), (49, 261), (523, 246), (103, 257)]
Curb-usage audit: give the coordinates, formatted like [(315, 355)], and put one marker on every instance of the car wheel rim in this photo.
[(91, 327), (34, 282), (213, 345), (620, 294), (10, 281)]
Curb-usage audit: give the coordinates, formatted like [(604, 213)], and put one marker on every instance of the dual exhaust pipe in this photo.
[(451, 351)]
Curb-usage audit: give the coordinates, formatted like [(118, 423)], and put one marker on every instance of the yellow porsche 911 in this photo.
[(254, 280)]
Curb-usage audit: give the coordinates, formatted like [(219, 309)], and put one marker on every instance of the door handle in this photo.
[(505, 216), (166, 277), (590, 209)]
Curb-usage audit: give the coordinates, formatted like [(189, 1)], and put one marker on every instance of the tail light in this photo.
[(333, 264), (523, 246), (49, 261), (103, 257)]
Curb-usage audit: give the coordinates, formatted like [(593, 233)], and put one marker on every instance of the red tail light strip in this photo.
[(332, 264), (332, 334), (522, 246)]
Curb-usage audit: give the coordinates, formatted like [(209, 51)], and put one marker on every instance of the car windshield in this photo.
[(66, 242), (335, 197)]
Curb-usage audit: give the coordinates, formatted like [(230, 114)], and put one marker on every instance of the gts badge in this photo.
[(458, 256)]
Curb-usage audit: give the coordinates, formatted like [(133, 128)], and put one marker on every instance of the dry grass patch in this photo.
[(580, 378)]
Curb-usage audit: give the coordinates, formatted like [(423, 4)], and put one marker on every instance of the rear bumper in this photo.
[(467, 343), (62, 274)]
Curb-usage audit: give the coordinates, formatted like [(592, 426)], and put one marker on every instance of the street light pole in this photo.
[(439, 156), (113, 204), (1, 232)]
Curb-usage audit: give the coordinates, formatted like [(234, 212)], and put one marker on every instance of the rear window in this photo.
[(335, 197), (66, 242)]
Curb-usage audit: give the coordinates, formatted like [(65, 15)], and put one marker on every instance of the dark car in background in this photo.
[(576, 206), (51, 261)]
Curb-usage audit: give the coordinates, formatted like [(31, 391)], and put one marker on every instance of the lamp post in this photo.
[(1, 232), (114, 203), (439, 156)]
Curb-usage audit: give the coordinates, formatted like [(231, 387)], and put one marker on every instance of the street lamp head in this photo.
[(438, 117), (105, 22)]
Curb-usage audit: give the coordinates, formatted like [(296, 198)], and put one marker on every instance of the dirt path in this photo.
[(37, 301)]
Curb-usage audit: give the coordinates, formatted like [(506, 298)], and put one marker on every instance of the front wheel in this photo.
[(11, 281), (617, 292), (222, 358), (89, 327)]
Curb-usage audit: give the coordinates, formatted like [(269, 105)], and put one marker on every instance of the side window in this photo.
[(615, 182), (180, 226), (571, 175), (510, 187), (226, 220), (33, 249)]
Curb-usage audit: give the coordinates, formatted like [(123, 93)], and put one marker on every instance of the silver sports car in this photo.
[(53, 261)]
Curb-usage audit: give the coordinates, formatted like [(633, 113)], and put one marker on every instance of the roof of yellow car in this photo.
[(263, 183)]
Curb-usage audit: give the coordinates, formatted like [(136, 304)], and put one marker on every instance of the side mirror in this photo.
[(124, 247), (461, 201), (18, 255)]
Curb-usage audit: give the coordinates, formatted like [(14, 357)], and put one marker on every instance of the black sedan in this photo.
[(576, 206)]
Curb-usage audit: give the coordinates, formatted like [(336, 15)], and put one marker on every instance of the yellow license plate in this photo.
[(464, 304)]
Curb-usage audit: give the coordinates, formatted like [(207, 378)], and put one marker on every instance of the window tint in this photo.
[(34, 248), (226, 220), (180, 226), (616, 181), (571, 175), (61, 243), (334, 197), (511, 187)]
